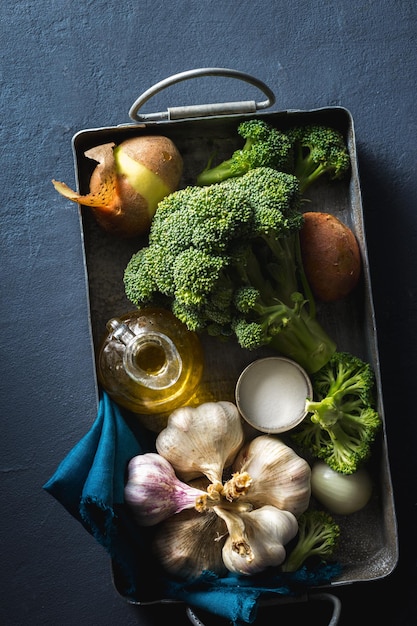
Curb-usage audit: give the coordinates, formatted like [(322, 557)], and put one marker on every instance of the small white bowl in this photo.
[(271, 394)]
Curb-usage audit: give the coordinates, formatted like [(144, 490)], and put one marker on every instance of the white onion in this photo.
[(342, 494)]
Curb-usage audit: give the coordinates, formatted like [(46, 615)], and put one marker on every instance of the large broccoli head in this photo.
[(207, 243)]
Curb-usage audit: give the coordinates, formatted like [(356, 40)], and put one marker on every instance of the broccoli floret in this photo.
[(140, 264), (317, 151), (265, 146), (193, 286), (318, 536), (237, 235), (342, 421)]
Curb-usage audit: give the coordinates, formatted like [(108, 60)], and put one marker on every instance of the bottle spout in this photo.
[(120, 331)]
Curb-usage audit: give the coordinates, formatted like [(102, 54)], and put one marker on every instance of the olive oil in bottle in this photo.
[(149, 362)]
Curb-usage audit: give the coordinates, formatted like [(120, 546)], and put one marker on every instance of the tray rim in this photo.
[(133, 127)]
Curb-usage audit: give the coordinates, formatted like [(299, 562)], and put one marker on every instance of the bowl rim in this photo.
[(289, 425)]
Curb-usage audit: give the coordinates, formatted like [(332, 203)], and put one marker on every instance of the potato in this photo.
[(128, 182), (331, 256)]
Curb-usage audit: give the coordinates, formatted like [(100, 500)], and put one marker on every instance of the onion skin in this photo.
[(331, 256), (342, 494), (157, 153), (128, 183)]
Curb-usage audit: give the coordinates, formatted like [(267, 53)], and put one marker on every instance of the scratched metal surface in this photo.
[(368, 550)]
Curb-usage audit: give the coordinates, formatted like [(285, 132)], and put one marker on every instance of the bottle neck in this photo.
[(150, 357)]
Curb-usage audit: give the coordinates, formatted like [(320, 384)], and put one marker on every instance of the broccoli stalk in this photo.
[(342, 421), (224, 259), (273, 311), (288, 330), (264, 146), (318, 536)]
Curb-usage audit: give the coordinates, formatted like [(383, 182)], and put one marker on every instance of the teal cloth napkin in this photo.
[(89, 483)]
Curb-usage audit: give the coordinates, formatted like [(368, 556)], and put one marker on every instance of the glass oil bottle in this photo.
[(149, 362)]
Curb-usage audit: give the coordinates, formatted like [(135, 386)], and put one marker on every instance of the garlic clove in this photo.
[(257, 538), (279, 476), (202, 440), (191, 543), (153, 492)]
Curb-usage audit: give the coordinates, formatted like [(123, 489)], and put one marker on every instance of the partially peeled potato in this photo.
[(128, 183)]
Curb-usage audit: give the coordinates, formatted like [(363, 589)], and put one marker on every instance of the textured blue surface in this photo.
[(68, 66)]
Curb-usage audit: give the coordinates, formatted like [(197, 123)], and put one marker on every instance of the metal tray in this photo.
[(369, 547)]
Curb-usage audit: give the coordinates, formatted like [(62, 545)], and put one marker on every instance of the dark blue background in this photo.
[(68, 66)]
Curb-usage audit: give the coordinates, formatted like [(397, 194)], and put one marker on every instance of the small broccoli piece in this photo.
[(318, 151), (342, 421), (138, 277), (318, 536), (265, 146), (211, 245)]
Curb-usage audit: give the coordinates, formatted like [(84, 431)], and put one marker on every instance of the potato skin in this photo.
[(331, 256)]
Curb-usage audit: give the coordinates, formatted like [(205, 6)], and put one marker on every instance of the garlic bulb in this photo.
[(241, 525), (278, 475), (190, 543), (256, 539), (153, 492), (202, 440)]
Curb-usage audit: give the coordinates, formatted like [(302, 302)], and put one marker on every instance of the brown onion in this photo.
[(129, 182)]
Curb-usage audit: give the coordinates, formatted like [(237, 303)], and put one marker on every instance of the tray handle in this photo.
[(324, 597), (203, 110)]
